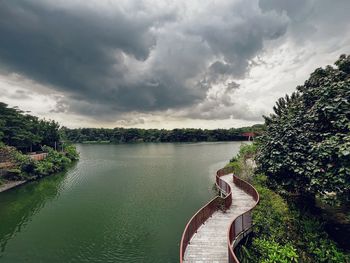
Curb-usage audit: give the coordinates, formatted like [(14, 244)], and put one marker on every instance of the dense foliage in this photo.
[(306, 146), (25, 168), (283, 227), (121, 135), (242, 163), (54, 162), (282, 232), (24, 131), (20, 133)]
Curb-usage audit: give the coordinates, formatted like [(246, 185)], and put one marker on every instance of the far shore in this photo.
[(139, 142)]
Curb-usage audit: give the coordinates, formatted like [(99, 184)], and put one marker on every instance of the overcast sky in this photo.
[(163, 64)]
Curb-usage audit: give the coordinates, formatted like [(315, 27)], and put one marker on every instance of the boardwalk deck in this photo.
[(209, 244)]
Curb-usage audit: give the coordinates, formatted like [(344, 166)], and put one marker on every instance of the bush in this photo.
[(44, 168), (71, 152), (283, 233), (25, 168), (273, 252), (247, 150), (281, 228), (272, 217), (242, 163), (54, 162)]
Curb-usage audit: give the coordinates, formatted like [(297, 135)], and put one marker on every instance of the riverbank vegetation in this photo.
[(285, 229), (122, 135), (23, 167), (302, 158), (22, 136)]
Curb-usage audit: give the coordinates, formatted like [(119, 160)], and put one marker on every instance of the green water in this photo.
[(119, 203)]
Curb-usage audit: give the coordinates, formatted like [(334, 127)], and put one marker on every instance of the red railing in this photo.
[(206, 211), (241, 225)]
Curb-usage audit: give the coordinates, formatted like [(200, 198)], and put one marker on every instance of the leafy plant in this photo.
[(71, 152), (273, 252), (306, 146), (284, 233)]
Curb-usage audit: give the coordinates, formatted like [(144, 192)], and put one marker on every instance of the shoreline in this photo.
[(145, 142), (7, 185), (10, 185)]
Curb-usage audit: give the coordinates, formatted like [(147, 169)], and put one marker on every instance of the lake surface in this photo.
[(119, 203)]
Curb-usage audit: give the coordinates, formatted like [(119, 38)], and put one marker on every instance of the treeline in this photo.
[(121, 135), (26, 132)]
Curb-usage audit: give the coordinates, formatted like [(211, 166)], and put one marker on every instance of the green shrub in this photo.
[(312, 239), (71, 152), (242, 163), (58, 160), (247, 150), (44, 168), (272, 252), (284, 233), (271, 217), (25, 168), (326, 251)]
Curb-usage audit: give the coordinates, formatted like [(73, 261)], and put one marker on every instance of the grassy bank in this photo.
[(283, 231)]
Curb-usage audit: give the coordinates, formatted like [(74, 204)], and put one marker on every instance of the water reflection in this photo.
[(121, 203), (18, 205)]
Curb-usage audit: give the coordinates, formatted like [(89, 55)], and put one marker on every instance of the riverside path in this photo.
[(209, 243)]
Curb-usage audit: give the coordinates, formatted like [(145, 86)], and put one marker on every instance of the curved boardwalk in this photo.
[(209, 244)]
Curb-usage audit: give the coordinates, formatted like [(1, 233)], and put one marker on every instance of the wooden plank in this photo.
[(209, 244)]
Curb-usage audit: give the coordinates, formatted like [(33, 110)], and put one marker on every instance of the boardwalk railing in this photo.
[(241, 225), (206, 211)]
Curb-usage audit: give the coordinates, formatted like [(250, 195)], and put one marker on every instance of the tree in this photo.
[(24, 131), (306, 146)]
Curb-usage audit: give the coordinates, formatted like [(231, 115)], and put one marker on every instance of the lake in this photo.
[(119, 203)]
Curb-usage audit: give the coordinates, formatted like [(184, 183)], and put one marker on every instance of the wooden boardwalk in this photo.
[(209, 244)]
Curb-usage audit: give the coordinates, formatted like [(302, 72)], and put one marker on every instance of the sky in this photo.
[(163, 63)]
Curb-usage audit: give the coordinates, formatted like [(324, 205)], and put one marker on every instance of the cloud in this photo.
[(90, 53), (201, 60)]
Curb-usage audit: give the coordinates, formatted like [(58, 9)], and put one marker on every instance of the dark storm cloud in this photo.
[(85, 53), (132, 56), (80, 51), (238, 34)]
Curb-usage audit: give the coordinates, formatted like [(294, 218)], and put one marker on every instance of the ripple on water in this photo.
[(119, 203)]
